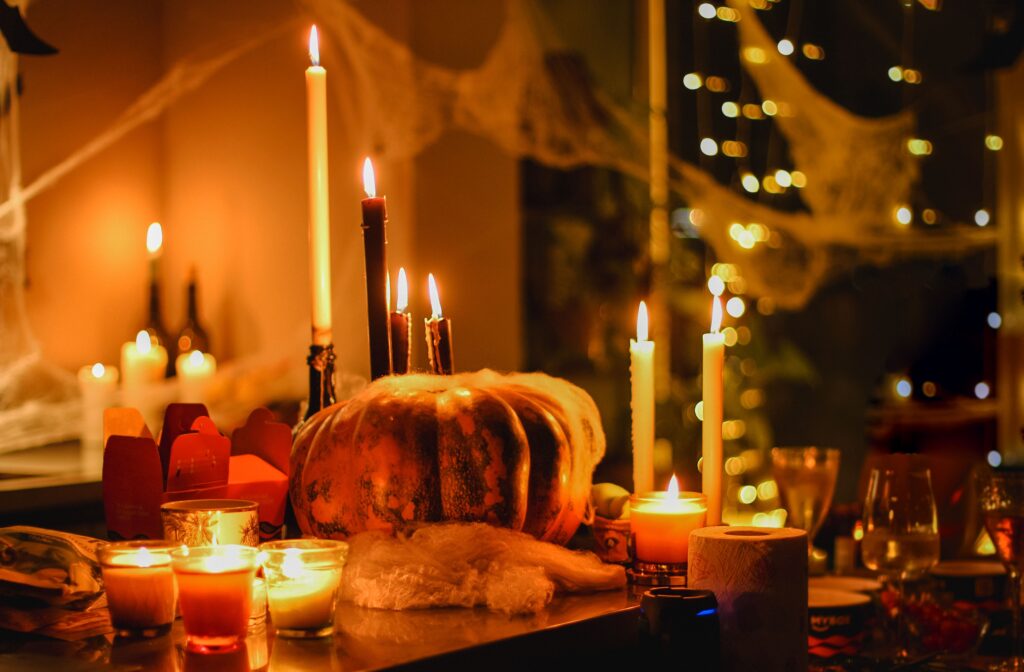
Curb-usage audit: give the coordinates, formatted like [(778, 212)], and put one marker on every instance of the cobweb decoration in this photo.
[(531, 98)]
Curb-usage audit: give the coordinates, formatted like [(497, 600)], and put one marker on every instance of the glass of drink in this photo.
[(901, 529), (806, 477), (1002, 504)]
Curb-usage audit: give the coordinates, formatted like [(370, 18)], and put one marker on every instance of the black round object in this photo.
[(680, 627)]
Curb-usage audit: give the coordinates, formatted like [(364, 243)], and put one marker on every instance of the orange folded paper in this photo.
[(191, 461)]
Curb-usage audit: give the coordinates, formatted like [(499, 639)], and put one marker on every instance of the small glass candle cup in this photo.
[(215, 586), (660, 525), (302, 577), (140, 586)]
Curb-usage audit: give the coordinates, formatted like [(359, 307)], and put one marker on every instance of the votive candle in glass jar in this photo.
[(140, 587), (661, 523), (215, 586), (302, 577)]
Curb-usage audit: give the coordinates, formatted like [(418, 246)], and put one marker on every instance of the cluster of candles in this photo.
[(390, 331), (661, 522), (143, 366), (217, 591)]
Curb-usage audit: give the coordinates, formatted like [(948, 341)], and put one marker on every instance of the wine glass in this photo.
[(1002, 504), (806, 477), (901, 530)]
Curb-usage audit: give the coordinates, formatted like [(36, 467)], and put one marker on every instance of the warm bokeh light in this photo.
[(785, 47), (143, 343), (783, 178), (770, 108), (896, 73), (799, 179), (993, 142), (641, 323), (813, 52), (730, 109), (728, 14), (995, 320), (904, 388), (154, 238), (994, 458), (904, 215), (403, 291), (435, 298), (709, 147), (716, 315), (717, 84), (755, 55), (919, 146), (98, 370), (982, 390), (748, 494), (369, 181), (692, 81), (706, 10), (314, 47), (981, 217), (735, 307), (753, 111), (928, 216), (911, 76), (750, 183), (734, 148), (929, 389)]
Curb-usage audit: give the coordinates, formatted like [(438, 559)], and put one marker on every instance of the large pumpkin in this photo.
[(513, 450)]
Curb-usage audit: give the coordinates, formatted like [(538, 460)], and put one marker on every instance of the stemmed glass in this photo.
[(1002, 503), (806, 477), (901, 530)]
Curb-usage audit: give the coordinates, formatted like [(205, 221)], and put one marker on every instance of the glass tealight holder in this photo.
[(660, 526), (302, 577), (215, 589), (140, 586)]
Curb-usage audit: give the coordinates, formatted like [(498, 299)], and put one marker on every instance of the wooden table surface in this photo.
[(574, 627)]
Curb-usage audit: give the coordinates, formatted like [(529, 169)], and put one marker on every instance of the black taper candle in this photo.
[(375, 217)]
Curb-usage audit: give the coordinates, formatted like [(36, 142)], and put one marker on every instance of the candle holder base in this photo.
[(657, 574)]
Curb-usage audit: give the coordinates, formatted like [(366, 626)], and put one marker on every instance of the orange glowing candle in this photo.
[(319, 212), (711, 432), (661, 523), (215, 585)]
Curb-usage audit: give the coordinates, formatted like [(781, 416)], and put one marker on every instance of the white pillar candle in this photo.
[(98, 385), (319, 213), (711, 431), (195, 371), (641, 369), (142, 362)]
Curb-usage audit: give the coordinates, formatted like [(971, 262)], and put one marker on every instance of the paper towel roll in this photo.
[(759, 576)]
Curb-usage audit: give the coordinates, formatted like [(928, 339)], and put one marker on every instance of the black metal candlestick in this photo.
[(321, 378)]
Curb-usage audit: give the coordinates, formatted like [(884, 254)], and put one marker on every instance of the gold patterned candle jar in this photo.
[(302, 577), (206, 522), (140, 586)]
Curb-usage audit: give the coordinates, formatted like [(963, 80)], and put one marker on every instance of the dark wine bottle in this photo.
[(158, 334), (192, 336)]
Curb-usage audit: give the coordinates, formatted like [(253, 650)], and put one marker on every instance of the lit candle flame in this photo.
[(144, 558), (673, 488), (154, 238), (369, 182), (196, 358), (403, 291), (143, 343), (314, 47), (291, 566), (716, 315), (98, 370), (435, 299), (641, 322)]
